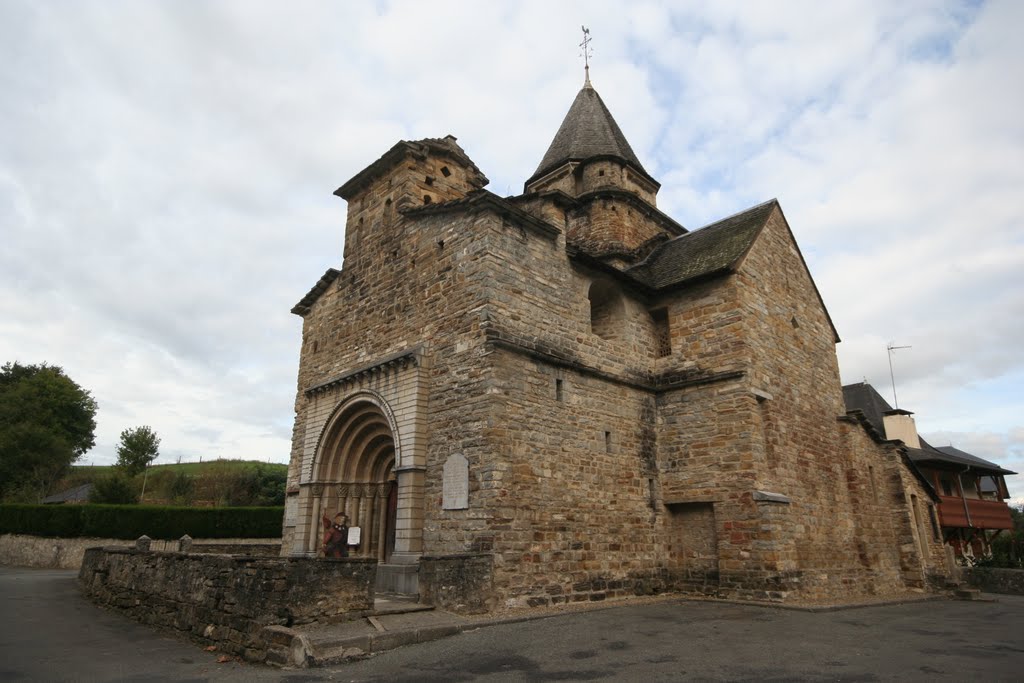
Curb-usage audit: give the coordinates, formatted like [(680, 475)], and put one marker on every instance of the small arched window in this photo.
[(606, 309)]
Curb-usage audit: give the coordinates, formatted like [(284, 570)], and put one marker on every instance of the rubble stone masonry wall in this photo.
[(223, 599), (580, 521), (611, 223), (416, 288), (458, 583), (842, 530), (993, 580)]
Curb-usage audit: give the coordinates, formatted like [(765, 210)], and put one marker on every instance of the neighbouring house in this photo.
[(566, 395), (972, 491)]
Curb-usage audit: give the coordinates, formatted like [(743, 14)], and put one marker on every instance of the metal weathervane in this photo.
[(587, 52)]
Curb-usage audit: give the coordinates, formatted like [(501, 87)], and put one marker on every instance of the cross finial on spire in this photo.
[(587, 53)]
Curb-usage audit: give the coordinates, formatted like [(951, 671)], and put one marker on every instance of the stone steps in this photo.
[(395, 620), (391, 626), (962, 591), (968, 594), (392, 603)]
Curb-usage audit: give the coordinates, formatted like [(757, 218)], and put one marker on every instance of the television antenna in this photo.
[(890, 348)]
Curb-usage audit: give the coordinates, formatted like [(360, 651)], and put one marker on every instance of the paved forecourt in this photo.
[(52, 633)]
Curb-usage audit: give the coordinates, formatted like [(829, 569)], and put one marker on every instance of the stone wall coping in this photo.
[(201, 539), (769, 497), (241, 559), (484, 200)]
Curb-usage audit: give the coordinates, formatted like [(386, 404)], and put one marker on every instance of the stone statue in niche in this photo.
[(455, 491)]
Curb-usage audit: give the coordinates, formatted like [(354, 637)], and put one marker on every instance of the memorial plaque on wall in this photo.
[(456, 482)]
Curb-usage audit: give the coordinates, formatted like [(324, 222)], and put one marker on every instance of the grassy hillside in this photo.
[(215, 482), (83, 474)]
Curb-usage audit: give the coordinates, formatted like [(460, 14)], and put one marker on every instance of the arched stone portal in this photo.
[(355, 473)]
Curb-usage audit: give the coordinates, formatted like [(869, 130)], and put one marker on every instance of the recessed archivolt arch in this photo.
[(362, 430), (354, 472)]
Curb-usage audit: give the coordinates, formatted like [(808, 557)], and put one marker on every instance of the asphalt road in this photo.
[(48, 632)]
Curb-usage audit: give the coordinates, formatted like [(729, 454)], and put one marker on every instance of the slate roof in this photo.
[(929, 453), (588, 130), (966, 458), (78, 494), (713, 249), (863, 397), (302, 308)]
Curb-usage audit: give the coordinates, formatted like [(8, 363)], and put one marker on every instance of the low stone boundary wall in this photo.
[(18, 550), (220, 547), (227, 600), (992, 580), (463, 584)]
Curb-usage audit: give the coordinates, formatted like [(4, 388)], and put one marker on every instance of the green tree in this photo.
[(1008, 546), (139, 447), (182, 489), (256, 486), (47, 422), (114, 489), (273, 482)]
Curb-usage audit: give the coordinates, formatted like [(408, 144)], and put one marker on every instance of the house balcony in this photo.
[(984, 514)]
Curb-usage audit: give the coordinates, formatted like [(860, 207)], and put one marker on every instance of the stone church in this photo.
[(567, 395)]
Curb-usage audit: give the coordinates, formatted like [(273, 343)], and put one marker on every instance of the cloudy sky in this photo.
[(166, 171)]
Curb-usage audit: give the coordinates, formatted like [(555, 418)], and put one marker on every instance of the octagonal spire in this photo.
[(588, 131)]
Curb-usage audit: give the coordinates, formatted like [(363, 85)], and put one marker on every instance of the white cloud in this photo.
[(166, 172)]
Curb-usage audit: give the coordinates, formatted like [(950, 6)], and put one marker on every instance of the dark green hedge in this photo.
[(132, 521)]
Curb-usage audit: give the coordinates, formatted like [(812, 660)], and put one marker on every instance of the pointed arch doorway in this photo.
[(356, 469)]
